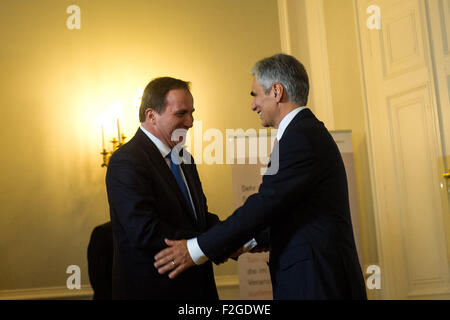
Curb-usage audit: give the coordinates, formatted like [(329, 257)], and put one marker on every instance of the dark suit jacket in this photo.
[(306, 207), (100, 258), (146, 206)]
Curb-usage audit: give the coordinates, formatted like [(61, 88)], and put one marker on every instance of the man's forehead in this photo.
[(177, 95), (178, 92)]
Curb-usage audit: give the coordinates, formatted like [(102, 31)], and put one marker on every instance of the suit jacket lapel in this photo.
[(303, 114), (161, 165), (194, 190)]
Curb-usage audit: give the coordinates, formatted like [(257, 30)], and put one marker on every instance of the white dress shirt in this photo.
[(165, 150), (286, 120), (195, 252)]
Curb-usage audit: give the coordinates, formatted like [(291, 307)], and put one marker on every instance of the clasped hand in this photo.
[(176, 258)]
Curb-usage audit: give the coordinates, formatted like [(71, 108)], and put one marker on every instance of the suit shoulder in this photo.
[(309, 128), (129, 152), (298, 135), (310, 134), (103, 228)]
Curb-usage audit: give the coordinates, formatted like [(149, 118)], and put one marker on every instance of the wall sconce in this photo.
[(116, 144)]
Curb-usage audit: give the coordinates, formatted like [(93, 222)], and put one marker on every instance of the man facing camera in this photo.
[(304, 204), (153, 196)]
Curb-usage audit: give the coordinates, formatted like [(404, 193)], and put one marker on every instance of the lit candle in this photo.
[(118, 129), (103, 138)]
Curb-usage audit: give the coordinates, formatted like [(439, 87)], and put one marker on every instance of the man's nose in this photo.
[(253, 106), (189, 121)]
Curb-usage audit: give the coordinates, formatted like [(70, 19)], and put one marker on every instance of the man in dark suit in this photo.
[(303, 202), (100, 258), (153, 196)]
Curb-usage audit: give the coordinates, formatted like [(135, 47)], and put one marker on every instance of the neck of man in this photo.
[(154, 131), (285, 109), (150, 129)]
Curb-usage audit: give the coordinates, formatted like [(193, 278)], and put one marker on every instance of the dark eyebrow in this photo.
[(184, 111)]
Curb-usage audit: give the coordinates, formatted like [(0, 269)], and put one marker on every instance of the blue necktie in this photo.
[(177, 174)]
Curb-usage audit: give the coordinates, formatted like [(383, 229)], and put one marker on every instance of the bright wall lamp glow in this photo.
[(110, 122), (107, 124)]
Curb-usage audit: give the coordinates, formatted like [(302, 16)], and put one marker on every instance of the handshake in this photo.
[(176, 258)]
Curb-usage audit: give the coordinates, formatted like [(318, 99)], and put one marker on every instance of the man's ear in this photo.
[(278, 91), (150, 115)]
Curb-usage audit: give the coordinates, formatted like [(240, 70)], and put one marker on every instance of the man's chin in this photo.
[(178, 137)]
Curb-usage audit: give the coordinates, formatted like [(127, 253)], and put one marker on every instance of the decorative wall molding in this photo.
[(320, 69), (86, 293), (318, 51), (48, 293), (285, 34)]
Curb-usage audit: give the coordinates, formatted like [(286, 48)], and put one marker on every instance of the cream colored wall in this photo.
[(348, 106), (55, 85)]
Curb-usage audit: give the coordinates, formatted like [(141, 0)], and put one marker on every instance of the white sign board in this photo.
[(254, 278)]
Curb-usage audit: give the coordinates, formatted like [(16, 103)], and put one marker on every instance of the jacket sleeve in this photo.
[(262, 239), (297, 168)]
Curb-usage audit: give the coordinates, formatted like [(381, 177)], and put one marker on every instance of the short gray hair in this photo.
[(286, 70)]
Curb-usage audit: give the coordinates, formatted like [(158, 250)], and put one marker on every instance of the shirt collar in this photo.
[(165, 150), (286, 120)]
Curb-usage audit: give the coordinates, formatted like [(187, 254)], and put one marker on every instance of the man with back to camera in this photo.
[(153, 197), (304, 204)]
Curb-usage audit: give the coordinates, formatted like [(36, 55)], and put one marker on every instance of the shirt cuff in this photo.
[(195, 252), (250, 245)]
